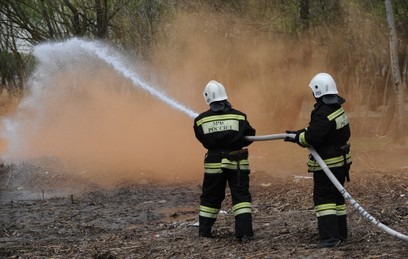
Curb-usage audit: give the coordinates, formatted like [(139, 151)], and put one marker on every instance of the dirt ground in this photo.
[(47, 214)]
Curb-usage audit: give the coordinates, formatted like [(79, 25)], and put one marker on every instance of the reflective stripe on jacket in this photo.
[(338, 161), (222, 132), (328, 131)]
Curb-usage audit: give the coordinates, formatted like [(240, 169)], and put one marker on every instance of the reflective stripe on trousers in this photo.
[(216, 168), (208, 212), (330, 209)]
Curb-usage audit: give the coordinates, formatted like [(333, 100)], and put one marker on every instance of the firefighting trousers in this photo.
[(330, 205), (213, 194)]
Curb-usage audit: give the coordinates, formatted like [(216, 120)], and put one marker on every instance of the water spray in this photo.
[(113, 59), (59, 63), (337, 184)]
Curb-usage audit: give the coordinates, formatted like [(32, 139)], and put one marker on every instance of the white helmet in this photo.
[(323, 84), (214, 91)]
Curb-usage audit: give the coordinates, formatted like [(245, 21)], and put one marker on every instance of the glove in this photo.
[(290, 139)]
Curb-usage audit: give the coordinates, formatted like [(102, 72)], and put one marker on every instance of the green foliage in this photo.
[(401, 16), (136, 26)]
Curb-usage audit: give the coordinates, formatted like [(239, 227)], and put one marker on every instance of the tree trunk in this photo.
[(76, 23), (396, 75), (101, 7), (405, 69), (304, 12)]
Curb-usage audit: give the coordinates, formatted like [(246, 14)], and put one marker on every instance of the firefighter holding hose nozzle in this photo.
[(222, 130), (328, 133)]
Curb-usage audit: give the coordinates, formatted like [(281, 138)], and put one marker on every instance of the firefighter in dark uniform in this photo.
[(328, 133), (221, 130)]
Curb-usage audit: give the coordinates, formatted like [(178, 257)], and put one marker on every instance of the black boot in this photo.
[(342, 223), (205, 224), (331, 242), (243, 227), (328, 231)]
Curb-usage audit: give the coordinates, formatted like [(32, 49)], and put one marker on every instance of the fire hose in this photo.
[(337, 184)]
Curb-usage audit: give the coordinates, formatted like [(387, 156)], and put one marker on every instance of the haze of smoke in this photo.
[(266, 76), (83, 113)]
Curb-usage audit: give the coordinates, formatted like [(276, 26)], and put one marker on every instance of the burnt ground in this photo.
[(147, 220)]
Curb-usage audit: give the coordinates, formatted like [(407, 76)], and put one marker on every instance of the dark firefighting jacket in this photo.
[(328, 132), (222, 132)]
